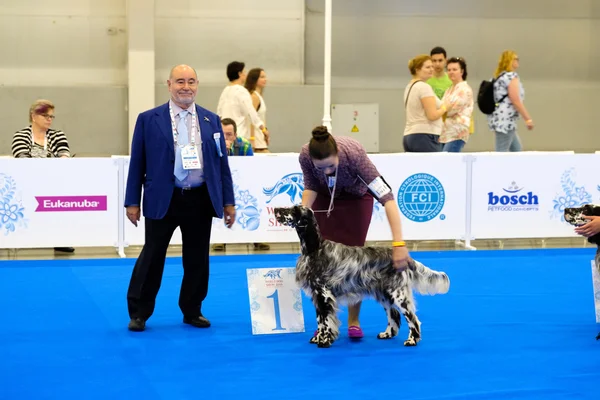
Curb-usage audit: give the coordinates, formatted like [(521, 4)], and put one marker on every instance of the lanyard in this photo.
[(174, 126), (45, 140), (332, 194)]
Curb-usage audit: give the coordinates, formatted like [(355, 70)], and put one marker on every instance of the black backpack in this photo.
[(485, 97)]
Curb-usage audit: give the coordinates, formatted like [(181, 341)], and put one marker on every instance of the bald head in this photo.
[(178, 69), (183, 85)]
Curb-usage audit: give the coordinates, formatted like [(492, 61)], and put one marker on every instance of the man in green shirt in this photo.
[(236, 145), (439, 81)]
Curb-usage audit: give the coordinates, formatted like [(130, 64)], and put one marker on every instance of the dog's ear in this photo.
[(298, 211), (594, 210)]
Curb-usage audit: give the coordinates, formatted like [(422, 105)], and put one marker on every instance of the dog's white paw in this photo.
[(388, 334), (411, 341)]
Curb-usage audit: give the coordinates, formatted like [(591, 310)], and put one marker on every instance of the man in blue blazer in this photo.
[(179, 157)]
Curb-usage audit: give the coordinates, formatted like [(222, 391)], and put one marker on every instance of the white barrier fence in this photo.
[(442, 196)]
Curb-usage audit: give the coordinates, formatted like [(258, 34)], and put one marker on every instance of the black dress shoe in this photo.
[(198, 322), (137, 325)]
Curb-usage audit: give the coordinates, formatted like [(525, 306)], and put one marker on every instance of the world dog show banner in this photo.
[(429, 190), (260, 184), (47, 203), (525, 195)]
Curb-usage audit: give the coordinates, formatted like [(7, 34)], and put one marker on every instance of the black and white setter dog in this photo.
[(329, 272), (574, 216)]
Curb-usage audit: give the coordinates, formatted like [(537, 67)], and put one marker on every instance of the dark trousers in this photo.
[(192, 211), (421, 143)]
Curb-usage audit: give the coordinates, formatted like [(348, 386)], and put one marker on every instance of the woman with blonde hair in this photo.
[(508, 95), (424, 109)]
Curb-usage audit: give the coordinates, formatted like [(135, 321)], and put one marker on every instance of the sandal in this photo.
[(355, 332)]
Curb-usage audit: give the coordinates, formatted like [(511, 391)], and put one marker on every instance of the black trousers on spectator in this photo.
[(192, 211)]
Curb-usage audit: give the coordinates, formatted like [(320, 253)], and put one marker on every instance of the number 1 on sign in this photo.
[(275, 297)]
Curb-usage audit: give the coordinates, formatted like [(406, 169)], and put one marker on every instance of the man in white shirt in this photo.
[(236, 103)]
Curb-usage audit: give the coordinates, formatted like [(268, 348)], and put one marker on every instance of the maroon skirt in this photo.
[(349, 220)]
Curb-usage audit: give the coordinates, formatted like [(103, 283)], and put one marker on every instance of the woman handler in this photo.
[(340, 165)]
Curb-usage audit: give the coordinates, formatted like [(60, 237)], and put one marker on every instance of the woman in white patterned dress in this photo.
[(509, 95)]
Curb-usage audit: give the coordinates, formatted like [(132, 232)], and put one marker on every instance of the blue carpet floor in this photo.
[(515, 325)]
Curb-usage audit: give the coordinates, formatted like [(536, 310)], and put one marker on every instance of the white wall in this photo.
[(62, 42), (84, 42), (373, 41), (265, 33), (75, 53)]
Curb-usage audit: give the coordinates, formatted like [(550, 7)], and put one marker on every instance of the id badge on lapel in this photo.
[(217, 138), (190, 158)]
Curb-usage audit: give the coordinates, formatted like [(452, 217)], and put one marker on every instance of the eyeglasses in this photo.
[(47, 116)]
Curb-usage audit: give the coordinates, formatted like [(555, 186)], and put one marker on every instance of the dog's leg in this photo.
[(403, 299), (393, 325), (328, 323)]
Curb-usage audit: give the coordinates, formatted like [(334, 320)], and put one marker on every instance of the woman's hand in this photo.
[(400, 257), (448, 105), (589, 229), (529, 124)]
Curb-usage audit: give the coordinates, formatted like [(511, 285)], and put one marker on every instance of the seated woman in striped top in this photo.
[(38, 140)]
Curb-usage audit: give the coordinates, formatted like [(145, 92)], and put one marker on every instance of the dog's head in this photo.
[(574, 216), (298, 217)]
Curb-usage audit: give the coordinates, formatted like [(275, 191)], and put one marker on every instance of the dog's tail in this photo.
[(428, 281)]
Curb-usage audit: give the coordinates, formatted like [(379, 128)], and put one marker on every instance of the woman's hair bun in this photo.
[(320, 133)]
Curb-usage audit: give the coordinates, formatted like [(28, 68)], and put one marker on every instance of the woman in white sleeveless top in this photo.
[(256, 80)]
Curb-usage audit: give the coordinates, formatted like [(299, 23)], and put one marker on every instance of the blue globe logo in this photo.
[(421, 197)]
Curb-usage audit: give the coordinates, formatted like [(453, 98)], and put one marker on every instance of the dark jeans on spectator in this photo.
[(421, 143)]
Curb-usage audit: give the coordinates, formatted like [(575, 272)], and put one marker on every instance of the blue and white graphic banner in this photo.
[(430, 191), (260, 184), (525, 195), (596, 285), (58, 202)]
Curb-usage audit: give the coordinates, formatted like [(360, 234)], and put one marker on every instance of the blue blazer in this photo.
[(152, 162)]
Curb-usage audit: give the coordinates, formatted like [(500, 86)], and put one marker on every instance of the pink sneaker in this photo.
[(355, 332)]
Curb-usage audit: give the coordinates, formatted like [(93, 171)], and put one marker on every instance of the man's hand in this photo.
[(133, 213), (229, 215), (400, 257), (589, 229)]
